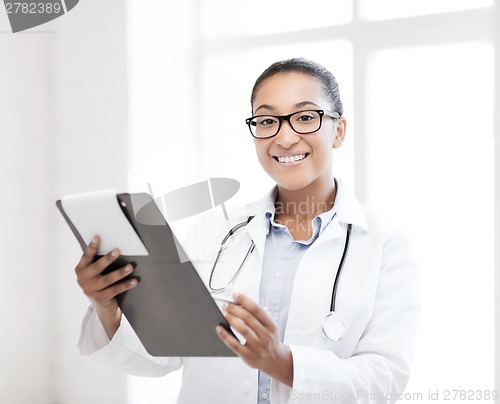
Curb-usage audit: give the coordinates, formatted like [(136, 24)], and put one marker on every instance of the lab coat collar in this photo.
[(349, 210), (347, 207)]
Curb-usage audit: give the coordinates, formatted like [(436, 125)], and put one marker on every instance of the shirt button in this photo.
[(277, 273), (246, 386), (264, 395)]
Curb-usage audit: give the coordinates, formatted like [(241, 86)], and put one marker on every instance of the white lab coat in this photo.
[(377, 296)]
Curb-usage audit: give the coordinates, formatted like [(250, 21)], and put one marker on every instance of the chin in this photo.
[(292, 183)]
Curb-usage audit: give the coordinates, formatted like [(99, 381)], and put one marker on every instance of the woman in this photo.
[(302, 230)]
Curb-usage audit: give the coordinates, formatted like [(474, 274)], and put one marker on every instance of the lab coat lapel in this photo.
[(249, 280), (257, 231), (315, 275), (314, 278), (257, 228)]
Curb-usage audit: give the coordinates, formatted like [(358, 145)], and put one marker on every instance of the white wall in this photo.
[(496, 140), (24, 218), (63, 129), (90, 146)]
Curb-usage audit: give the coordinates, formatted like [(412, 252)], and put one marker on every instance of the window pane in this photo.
[(228, 147), (388, 9), (258, 17), (432, 172)]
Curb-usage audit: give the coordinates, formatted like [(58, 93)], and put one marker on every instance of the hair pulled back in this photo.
[(304, 66)]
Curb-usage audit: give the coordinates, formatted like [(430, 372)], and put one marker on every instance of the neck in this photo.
[(308, 202)]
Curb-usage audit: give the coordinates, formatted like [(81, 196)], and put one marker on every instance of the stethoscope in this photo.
[(332, 326)]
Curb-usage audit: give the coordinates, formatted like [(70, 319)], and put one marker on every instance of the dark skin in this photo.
[(263, 349), (103, 289)]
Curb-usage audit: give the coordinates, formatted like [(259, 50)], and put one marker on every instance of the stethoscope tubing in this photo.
[(223, 242), (332, 315), (341, 266)]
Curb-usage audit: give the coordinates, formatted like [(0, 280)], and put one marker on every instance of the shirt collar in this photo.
[(319, 222), (346, 208)]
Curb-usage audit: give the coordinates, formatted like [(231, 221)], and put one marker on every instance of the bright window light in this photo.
[(389, 9), (260, 17), (431, 145)]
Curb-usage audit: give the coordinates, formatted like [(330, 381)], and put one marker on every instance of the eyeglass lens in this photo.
[(301, 122)]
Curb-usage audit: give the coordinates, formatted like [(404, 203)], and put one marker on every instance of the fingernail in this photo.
[(236, 295), (219, 330), (93, 241), (133, 282), (114, 253), (128, 268), (225, 306)]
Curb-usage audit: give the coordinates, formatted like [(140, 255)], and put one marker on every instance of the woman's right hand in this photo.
[(102, 289)]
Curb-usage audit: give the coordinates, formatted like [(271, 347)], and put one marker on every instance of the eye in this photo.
[(306, 116), (265, 121)]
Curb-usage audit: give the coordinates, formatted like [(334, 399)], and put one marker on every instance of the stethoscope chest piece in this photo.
[(333, 326)]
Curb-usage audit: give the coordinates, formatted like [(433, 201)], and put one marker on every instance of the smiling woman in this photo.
[(293, 92), (301, 334)]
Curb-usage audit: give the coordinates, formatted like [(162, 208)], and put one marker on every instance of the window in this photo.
[(432, 172), (392, 9), (222, 18)]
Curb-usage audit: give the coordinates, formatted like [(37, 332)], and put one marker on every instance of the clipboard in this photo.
[(170, 310)]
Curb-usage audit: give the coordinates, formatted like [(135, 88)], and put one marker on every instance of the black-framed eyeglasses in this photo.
[(302, 122)]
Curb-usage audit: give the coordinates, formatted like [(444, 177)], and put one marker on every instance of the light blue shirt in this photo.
[(282, 255)]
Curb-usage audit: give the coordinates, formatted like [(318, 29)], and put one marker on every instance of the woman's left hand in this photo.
[(263, 348)]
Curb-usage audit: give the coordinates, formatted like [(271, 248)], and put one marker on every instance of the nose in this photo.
[(286, 136)]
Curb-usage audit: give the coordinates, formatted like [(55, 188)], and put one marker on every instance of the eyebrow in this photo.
[(298, 105)]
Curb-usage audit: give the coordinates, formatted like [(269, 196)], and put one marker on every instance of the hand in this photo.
[(263, 348), (103, 289)]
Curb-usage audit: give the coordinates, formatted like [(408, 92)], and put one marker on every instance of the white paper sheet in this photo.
[(99, 213)]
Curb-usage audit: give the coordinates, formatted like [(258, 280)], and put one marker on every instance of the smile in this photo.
[(291, 159)]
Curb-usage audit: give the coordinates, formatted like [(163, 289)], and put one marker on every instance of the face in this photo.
[(283, 94)]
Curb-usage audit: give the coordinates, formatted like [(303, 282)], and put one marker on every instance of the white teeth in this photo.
[(288, 159)]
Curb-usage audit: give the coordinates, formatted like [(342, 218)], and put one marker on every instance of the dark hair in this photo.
[(301, 65)]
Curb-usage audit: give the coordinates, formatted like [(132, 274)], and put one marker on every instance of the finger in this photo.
[(114, 276), (245, 329), (88, 254), (258, 312), (231, 342), (98, 266), (245, 317), (105, 296)]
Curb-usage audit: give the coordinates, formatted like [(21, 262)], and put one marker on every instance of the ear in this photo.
[(339, 132)]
